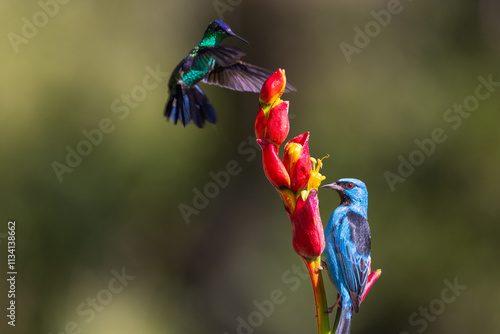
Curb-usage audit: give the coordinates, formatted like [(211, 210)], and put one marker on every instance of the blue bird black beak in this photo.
[(238, 37), (334, 186)]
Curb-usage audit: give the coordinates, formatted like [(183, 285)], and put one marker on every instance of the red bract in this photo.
[(278, 124), (273, 87), (273, 128), (273, 167), (261, 125), (297, 161), (307, 228)]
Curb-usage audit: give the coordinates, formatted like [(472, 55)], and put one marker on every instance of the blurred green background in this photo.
[(117, 210)]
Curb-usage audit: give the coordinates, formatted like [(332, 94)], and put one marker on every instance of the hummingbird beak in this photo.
[(238, 37), (334, 186)]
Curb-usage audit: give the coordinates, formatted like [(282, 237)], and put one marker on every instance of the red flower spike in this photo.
[(273, 88), (307, 228), (297, 161), (290, 177), (273, 167)]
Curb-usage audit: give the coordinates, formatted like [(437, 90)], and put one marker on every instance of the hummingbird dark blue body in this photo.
[(213, 64), (347, 248)]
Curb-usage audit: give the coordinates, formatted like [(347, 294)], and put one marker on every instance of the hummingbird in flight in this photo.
[(214, 64)]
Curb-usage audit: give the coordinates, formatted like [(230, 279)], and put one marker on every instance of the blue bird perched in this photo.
[(212, 64), (347, 250)]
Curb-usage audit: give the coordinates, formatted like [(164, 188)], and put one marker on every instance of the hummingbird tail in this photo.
[(190, 105), (344, 326), (176, 109), (200, 108)]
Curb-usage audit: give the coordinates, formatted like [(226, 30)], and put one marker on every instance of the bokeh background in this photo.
[(117, 210)]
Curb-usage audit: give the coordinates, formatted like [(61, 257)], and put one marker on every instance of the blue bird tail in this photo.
[(344, 326), (190, 105)]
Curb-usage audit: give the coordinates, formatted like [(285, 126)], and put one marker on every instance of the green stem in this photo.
[(337, 319), (313, 267)]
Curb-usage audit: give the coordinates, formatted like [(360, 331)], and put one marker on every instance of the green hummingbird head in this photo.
[(216, 32)]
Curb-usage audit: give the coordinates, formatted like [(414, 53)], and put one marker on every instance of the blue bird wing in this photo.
[(352, 247)]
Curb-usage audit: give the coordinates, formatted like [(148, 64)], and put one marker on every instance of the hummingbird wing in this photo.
[(224, 55), (241, 76), (353, 253), (231, 73), (218, 56), (202, 60)]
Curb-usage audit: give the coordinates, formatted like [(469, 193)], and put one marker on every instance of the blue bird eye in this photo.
[(349, 185)]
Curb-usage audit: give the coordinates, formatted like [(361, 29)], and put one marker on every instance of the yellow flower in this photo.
[(316, 177)]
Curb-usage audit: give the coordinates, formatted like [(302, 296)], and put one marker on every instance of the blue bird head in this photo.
[(352, 192), (220, 27)]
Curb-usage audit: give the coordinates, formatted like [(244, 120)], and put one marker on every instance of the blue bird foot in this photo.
[(337, 304)]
